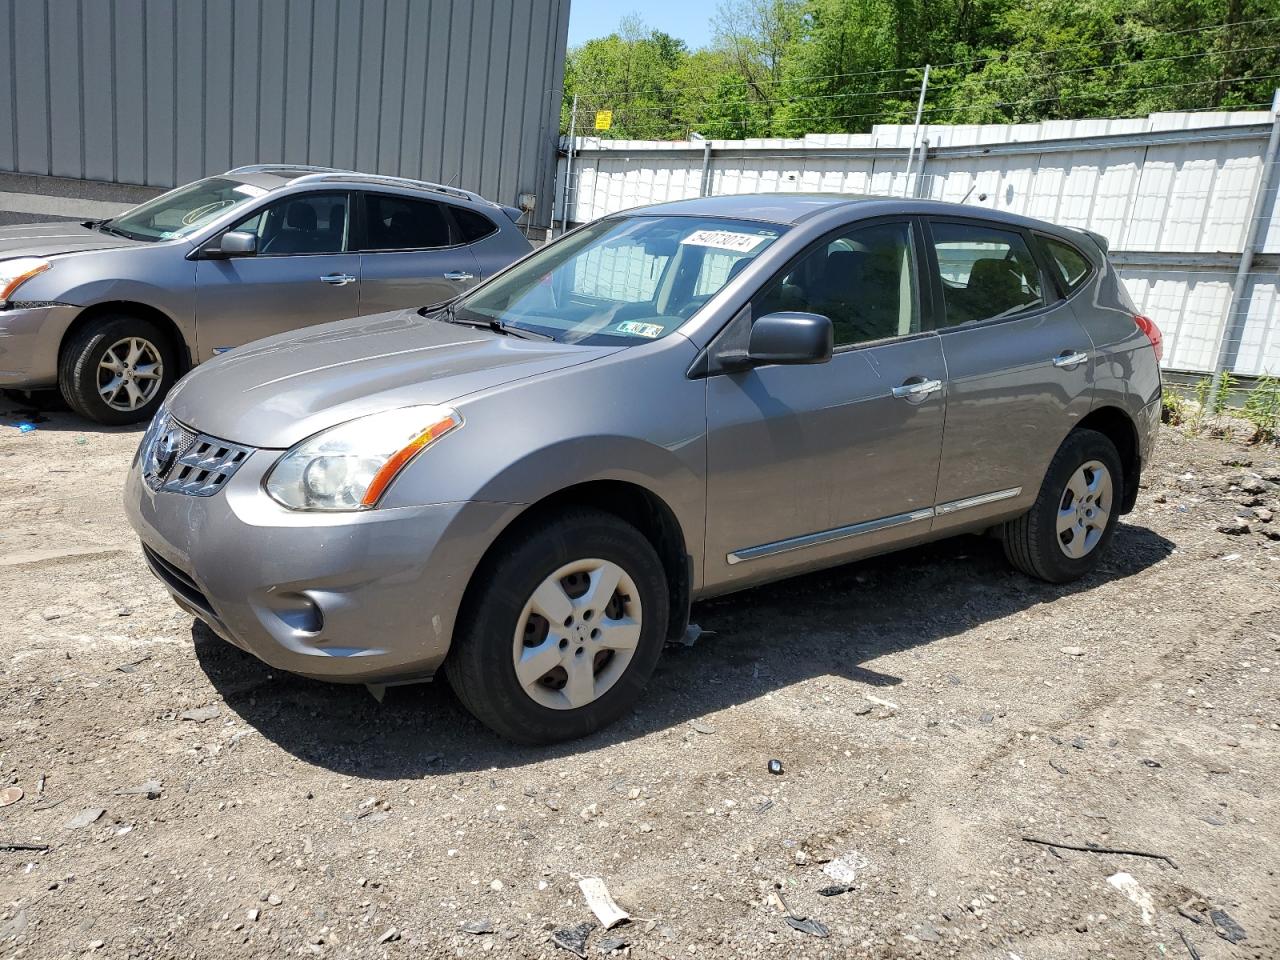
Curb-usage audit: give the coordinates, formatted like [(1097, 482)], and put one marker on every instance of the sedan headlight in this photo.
[(14, 273), (350, 466)]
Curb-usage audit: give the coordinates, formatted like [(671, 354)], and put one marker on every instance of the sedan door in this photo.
[(812, 465), (1020, 367), (301, 274), (411, 254)]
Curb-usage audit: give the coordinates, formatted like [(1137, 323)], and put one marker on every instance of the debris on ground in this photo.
[(835, 889), (700, 726), (1126, 884), (574, 939), (478, 927), (844, 870), (602, 903), (85, 817), (10, 795), (815, 928), (775, 767), (611, 944), (200, 714), (1226, 927), (151, 790)]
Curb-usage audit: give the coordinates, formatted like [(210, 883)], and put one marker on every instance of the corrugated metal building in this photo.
[(161, 92)]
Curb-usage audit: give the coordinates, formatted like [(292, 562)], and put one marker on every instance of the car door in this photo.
[(809, 465), (301, 274), (411, 254), (1019, 366)]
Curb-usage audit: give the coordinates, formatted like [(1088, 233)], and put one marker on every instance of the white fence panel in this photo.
[(1170, 192)]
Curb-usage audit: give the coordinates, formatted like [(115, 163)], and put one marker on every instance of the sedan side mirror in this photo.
[(238, 243), (791, 338)]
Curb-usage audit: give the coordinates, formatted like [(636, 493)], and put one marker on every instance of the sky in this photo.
[(688, 20)]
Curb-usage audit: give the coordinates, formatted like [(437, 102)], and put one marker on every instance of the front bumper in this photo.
[(29, 342), (367, 597)]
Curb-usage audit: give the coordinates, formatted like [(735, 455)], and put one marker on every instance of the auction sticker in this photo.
[(725, 240), (649, 330)]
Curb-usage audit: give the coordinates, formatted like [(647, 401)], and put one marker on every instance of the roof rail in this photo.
[(278, 167), (377, 178)]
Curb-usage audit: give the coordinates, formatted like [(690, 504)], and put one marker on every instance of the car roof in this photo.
[(795, 208), (273, 176)]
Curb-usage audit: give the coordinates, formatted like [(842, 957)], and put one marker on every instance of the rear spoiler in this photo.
[(515, 213), (1099, 239)]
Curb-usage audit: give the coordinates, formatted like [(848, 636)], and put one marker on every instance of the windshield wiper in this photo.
[(449, 314), (105, 227)]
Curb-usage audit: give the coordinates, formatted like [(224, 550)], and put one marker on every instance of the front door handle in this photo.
[(338, 279), (459, 275), (917, 390), (1070, 359)]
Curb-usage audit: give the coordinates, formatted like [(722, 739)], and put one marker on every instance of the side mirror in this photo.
[(791, 338), (238, 243)]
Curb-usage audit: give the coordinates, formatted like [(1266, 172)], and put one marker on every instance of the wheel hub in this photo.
[(1085, 509)]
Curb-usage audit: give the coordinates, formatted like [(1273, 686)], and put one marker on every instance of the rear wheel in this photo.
[(562, 629), (117, 369), (1063, 536)]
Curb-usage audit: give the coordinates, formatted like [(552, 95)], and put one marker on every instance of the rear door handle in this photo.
[(338, 279), (918, 390), (459, 275), (1069, 359)]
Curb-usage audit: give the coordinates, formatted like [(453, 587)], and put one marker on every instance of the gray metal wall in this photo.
[(162, 92)]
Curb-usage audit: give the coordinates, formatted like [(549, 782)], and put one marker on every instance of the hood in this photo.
[(48, 239), (276, 392)]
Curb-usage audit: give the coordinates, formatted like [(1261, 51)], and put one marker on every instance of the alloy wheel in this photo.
[(577, 634), (130, 374)]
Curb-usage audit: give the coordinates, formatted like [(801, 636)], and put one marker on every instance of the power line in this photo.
[(1147, 38)]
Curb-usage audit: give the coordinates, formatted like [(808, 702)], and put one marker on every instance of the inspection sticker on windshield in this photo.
[(725, 240), (649, 330)]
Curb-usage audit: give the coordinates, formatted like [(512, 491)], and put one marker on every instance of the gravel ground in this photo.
[(930, 710)]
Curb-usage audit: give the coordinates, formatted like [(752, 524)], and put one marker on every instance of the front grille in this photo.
[(177, 459), (178, 581)]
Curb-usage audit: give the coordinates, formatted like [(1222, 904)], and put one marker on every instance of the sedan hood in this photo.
[(48, 239), (276, 392)]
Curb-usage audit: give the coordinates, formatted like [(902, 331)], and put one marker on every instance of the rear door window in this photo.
[(403, 223), (986, 272)]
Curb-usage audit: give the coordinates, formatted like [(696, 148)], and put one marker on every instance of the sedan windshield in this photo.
[(183, 211), (621, 280)]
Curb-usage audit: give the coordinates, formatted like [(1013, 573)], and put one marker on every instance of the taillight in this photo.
[(1148, 326)]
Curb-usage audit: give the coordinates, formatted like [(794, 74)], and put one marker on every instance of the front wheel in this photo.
[(1064, 534), (117, 369), (561, 629)]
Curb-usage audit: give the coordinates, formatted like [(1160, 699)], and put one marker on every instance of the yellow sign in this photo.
[(604, 119)]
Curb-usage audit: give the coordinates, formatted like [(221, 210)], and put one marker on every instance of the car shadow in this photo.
[(756, 642)]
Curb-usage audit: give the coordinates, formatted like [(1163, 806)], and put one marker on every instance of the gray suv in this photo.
[(114, 311), (528, 487)]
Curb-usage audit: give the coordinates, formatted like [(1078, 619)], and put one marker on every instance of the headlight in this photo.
[(348, 467), (14, 273)]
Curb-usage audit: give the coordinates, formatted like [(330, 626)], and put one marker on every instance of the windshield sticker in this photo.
[(649, 330), (249, 190), (725, 240)]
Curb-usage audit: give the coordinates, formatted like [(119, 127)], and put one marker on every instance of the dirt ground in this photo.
[(930, 711)]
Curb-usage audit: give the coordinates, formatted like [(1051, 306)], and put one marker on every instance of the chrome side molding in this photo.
[(867, 526)]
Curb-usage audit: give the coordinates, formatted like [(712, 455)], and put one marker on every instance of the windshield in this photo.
[(185, 210), (621, 280)]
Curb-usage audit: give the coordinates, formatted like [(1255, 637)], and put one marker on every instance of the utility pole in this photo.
[(915, 133), (1233, 325), (568, 171)]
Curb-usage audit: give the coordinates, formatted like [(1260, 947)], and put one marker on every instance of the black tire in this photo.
[(1032, 542), (79, 363), (481, 668)]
